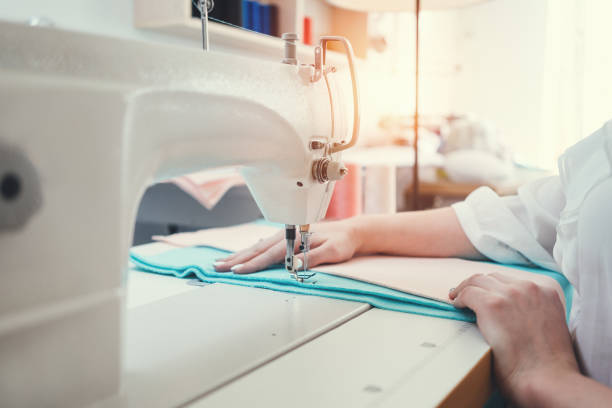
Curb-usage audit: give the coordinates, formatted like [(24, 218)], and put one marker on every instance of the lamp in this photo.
[(411, 6)]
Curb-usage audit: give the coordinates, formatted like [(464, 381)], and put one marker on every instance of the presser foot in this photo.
[(304, 276), (300, 276), (290, 265)]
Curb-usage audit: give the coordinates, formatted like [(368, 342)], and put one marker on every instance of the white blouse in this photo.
[(563, 223)]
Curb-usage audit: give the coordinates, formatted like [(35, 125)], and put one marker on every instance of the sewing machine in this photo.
[(89, 122), (86, 123)]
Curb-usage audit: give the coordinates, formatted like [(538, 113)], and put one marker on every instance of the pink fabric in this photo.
[(209, 186)]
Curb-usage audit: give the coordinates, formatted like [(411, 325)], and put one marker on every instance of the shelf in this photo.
[(224, 37), (173, 17)]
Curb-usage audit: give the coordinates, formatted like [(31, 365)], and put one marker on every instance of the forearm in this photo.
[(432, 233), (563, 389)]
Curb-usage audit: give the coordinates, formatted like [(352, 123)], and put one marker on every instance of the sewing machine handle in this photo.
[(338, 147)]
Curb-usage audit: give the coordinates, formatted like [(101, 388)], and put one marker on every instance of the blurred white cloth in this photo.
[(208, 187), (473, 134), (476, 166), (562, 223)]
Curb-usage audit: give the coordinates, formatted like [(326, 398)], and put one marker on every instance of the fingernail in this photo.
[(218, 263), (236, 268), (298, 264)]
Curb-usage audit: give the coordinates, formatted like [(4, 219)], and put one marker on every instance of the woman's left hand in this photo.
[(524, 324)]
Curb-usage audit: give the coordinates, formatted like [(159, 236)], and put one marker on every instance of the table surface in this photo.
[(223, 345)]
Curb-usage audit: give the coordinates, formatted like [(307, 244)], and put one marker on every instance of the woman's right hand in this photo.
[(331, 242)]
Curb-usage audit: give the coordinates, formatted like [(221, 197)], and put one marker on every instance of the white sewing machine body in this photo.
[(86, 124)]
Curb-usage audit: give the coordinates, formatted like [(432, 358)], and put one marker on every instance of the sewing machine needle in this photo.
[(290, 237), (305, 245)]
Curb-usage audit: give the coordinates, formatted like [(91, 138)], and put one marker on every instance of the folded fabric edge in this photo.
[(196, 270), (289, 287), (375, 301)]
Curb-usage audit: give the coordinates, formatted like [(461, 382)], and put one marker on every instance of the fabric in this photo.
[(432, 277), (228, 238), (562, 223), (197, 261), (208, 187)]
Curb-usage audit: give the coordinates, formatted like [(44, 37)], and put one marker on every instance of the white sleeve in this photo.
[(518, 229)]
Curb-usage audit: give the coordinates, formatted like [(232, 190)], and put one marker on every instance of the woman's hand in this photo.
[(421, 233), (331, 242), (525, 326)]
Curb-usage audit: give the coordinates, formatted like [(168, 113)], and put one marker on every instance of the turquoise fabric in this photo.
[(197, 261)]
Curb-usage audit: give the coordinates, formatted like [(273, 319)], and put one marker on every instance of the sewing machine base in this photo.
[(190, 345)]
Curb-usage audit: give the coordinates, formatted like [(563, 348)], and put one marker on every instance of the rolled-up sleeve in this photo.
[(519, 229)]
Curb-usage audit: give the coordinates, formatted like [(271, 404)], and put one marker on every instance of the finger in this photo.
[(256, 248), (462, 285), (226, 266), (472, 297), (260, 246), (273, 255), (241, 257), (503, 277), (321, 255), (317, 240), (482, 281), (314, 244)]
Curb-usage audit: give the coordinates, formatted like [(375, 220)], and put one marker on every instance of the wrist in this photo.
[(539, 388), (358, 230)]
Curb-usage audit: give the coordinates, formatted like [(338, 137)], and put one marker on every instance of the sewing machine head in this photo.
[(299, 192), (105, 129), (325, 165)]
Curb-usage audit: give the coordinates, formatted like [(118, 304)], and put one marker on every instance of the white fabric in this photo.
[(562, 223)]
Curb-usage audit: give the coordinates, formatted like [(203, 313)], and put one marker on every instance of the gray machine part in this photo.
[(20, 193), (166, 209)]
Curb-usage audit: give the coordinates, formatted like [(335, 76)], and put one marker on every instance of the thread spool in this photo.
[(347, 197), (379, 189)]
